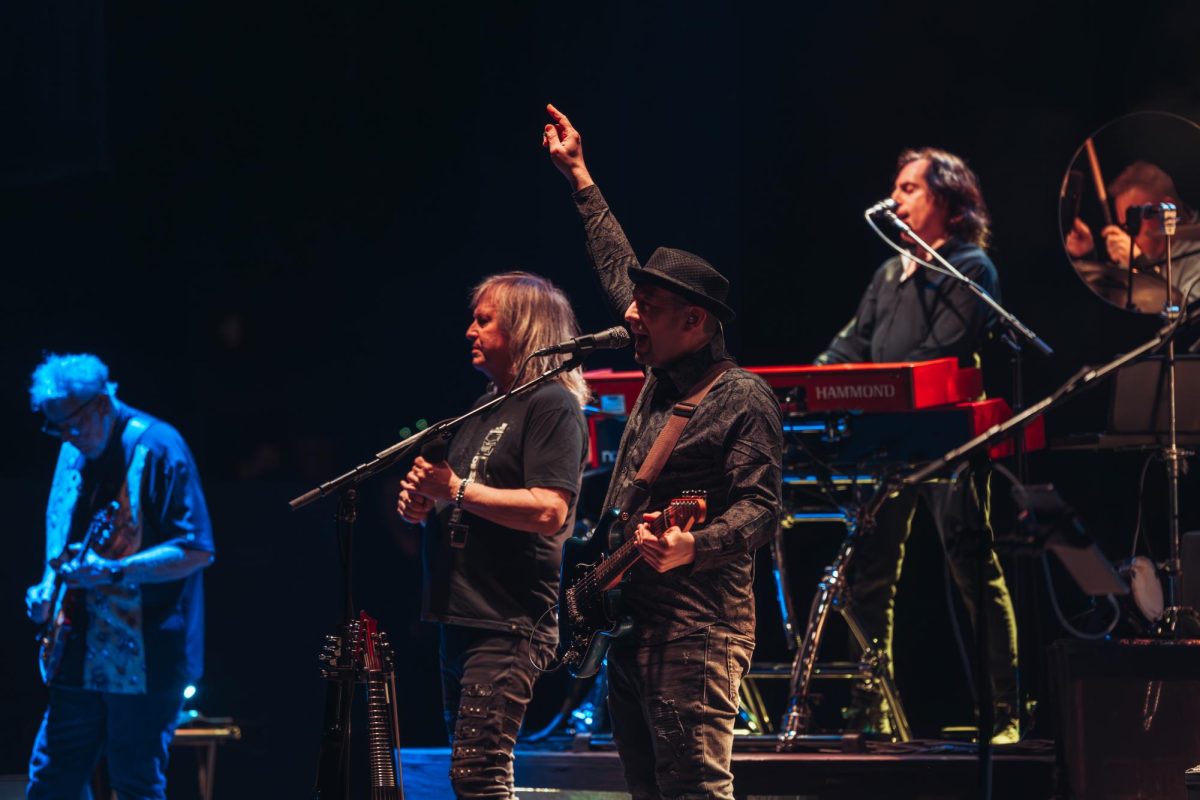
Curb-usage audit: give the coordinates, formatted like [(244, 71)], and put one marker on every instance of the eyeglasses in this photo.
[(70, 425)]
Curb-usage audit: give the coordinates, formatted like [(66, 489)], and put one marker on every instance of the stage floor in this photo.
[(925, 770)]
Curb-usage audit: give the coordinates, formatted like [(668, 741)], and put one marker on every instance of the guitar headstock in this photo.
[(689, 508), (376, 652), (342, 651)]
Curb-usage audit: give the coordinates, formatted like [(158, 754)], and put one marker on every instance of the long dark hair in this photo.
[(956, 185)]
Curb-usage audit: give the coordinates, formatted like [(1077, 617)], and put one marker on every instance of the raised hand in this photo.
[(566, 149)]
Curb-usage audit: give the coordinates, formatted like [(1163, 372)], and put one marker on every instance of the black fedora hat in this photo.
[(688, 276)]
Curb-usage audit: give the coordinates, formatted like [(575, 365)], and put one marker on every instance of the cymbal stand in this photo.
[(1175, 612)]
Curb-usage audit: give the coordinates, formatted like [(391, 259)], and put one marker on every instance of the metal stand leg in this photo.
[(831, 596), (876, 666)]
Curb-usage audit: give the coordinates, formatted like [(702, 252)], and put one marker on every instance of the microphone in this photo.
[(435, 450), (614, 338), (883, 205)]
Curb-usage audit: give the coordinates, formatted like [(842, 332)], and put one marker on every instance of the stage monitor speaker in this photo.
[(1129, 717)]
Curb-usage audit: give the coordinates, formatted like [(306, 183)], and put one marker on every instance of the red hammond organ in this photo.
[(939, 393), (901, 386)]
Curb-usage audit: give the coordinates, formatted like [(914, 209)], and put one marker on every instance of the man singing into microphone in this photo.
[(496, 513), (673, 683), (911, 313)]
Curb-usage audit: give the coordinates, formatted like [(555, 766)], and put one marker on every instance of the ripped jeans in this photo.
[(673, 707), (487, 682)]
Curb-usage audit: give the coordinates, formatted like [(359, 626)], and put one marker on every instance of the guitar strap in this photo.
[(668, 437)]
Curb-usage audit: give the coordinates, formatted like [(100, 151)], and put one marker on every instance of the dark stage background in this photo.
[(266, 218)]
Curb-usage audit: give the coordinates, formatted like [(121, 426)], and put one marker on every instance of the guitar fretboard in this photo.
[(613, 567)]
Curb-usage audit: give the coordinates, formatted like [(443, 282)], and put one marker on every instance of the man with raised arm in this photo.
[(673, 683)]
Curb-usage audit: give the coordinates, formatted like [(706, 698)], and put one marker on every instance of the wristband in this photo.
[(462, 490)]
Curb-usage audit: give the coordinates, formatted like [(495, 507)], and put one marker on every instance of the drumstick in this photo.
[(1098, 179)]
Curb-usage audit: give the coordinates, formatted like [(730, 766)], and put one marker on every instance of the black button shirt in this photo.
[(732, 449), (928, 315)]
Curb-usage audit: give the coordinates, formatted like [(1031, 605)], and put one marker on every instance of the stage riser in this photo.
[(758, 776)]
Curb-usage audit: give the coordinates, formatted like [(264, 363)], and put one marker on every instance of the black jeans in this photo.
[(673, 707), (487, 683), (960, 507)]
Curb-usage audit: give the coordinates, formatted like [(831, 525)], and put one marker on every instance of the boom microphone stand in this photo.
[(1019, 331), (333, 768)]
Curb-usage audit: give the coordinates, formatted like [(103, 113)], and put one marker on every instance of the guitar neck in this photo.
[(610, 570), (381, 745)]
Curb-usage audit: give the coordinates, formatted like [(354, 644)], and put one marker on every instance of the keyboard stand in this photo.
[(833, 595)]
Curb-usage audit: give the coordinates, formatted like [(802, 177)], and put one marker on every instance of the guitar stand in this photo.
[(871, 669)]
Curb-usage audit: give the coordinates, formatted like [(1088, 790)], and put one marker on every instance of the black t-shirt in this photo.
[(504, 579), (173, 512)]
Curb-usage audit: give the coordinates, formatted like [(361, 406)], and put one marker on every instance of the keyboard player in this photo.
[(911, 313)]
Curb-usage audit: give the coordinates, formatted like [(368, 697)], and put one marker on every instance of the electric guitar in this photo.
[(383, 729), (359, 653), (589, 616), (53, 637)]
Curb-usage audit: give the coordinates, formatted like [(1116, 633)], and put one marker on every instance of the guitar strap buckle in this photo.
[(684, 409), (457, 530)]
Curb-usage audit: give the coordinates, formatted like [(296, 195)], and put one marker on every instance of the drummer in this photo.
[(1139, 184)]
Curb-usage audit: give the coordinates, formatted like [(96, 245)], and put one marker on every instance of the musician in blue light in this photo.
[(136, 638)]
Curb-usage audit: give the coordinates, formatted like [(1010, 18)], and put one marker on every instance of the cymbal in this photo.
[(1111, 282)]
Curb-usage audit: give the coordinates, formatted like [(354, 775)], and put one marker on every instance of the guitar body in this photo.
[(53, 639), (587, 626), (590, 616)]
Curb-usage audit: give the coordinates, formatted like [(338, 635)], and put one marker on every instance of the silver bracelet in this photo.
[(462, 490)]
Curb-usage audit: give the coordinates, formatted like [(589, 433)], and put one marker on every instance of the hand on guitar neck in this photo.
[(673, 547), (90, 571)]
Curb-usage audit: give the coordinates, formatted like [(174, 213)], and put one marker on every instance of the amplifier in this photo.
[(1128, 717)]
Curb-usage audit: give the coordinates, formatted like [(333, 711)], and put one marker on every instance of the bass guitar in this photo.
[(53, 638), (589, 615)]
